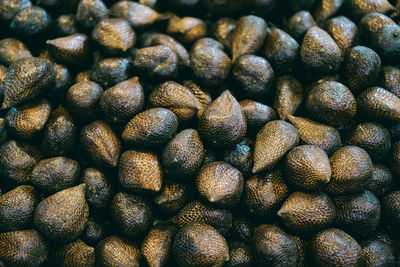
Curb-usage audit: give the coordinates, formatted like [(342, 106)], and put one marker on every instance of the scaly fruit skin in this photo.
[(289, 95), (220, 183), (70, 50), (333, 247), (257, 114), (395, 159), (391, 210), (187, 29), (25, 79), (314, 133), (307, 213), (63, 216), (319, 51), (378, 104), (23, 248), (390, 79), (299, 24), (382, 180), (114, 251), (358, 214), (351, 170), (307, 167), (273, 247), (76, 253), (11, 50), (239, 254), (223, 123), (371, 23), (152, 127), (343, 31), (16, 208), (377, 253), (189, 248), (323, 10), (272, 143), (156, 247), (264, 193), (172, 197), (183, 155), (99, 190)]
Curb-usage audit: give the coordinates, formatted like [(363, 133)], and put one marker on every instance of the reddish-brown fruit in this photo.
[(223, 122), (351, 170), (382, 180), (73, 49), (289, 95), (264, 194), (343, 31), (324, 9), (333, 247), (62, 217), (114, 251), (274, 247), (272, 143), (187, 29), (183, 155), (257, 114), (74, 254), (189, 248), (220, 183), (390, 79), (172, 197), (177, 98), (101, 144), (152, 127), (140, 171), (138, 15), (11, 50), (23, 248)]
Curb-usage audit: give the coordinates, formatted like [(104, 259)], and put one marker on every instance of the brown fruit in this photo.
[(241, 156), (210, 65), (379, 104), (332, 103), (222, 30), (98, 188), (114, 251), (220, 183), (152, 127), (242, 229), (138, 15), (75, 254), (101, 144), (123, 101), (16, 208), (323, 10), (183, 155), (156, 247), (172, 197), (358, 8), (390, 79), (202, 96), (62, 217), (377, 253), (272, 143), (362, 66), (11, 50), (391, 209), (239, 254), (187, 29), (351, 170), (358, 214), (263, 194), (90, 12), (319, 52), (72, 49), (254, 75), (17, 161), (248, 36), (163, 39), (373, 138), (114, 36), (83, 99), (223, 122), (66, 25), (289, 95), (23, 248), (307, 213), (333, 247), (8, 9), (199, 244), (29, 119), (257, 114), (111, 71), (177, 98), (198, 212), (206, 42), (299, 24), (343, 31), (131, 214), (140, 171), (25, 79), (371, 23), (381, 181), (54, 174), (282, 51), (314, 133), (273, 247), (307, 167)]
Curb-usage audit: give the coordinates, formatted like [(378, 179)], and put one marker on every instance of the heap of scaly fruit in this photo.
[(200, 133)]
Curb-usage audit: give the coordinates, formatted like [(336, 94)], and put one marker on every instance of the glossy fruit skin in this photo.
[(113, 251)]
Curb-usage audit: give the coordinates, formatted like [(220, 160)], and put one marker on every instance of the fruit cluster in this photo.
[(199, 133)]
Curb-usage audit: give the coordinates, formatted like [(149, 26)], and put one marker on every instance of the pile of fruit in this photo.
[(200, 133)]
